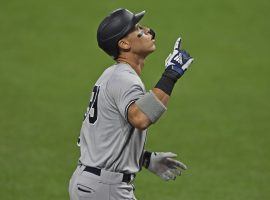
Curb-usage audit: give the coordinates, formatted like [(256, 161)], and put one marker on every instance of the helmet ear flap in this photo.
[(115, 54)]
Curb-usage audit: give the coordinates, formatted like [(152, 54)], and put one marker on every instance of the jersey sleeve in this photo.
[(124, 90)]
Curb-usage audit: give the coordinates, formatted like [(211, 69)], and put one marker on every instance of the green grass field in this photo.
[(217, 119)]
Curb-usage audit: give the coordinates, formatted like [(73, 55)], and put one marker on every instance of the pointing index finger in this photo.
[(177, 44)]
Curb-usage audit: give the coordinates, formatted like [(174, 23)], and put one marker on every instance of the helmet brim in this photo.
[(138, 17)]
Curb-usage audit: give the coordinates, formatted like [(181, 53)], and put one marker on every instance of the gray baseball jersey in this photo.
[(107, 140)]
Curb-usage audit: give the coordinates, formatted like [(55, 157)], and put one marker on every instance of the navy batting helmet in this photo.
[(114, 27)]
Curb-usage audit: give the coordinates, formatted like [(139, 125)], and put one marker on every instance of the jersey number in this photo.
[(92, 108)]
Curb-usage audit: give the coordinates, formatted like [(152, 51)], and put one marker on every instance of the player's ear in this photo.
[(124, 44)]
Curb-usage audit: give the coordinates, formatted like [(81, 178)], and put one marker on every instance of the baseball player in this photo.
[(120, 110)]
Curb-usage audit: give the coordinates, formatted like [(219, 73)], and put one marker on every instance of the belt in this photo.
[(126, 177)]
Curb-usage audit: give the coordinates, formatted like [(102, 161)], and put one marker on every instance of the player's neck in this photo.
[(135, 61)]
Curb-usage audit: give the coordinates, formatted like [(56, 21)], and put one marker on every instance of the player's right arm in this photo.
[(148, 109)]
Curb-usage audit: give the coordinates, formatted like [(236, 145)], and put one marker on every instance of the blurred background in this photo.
[(217, 119)]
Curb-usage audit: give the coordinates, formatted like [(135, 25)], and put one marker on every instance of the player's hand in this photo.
[(163, 165), (179, 60)]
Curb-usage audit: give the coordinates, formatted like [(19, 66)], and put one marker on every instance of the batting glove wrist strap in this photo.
[(167, 81), (146, 159)]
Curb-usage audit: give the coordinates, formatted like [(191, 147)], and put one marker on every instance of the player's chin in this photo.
[(152, 48)]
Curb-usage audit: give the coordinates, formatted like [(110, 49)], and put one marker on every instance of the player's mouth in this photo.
[(152, 32)]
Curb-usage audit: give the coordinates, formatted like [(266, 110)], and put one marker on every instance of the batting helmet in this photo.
[(114, 27)]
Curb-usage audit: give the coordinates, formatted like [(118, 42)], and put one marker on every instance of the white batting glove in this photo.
[(164, 166), (179, 60)]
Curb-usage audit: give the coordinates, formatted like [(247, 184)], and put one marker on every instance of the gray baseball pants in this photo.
[(84, 185)]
